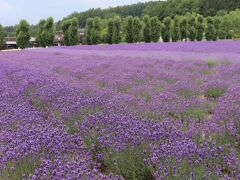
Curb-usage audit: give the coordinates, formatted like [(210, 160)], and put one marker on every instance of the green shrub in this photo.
[(214, 92), (145, 96), (197, 114)]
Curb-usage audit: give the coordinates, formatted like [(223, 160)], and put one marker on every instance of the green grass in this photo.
[(170, 80), (145, 96), (123, 88), (25, 167), (78, 118), (159, 88), (205, 72), (102, 84), (198, 114), (212, 63), (214, 92)]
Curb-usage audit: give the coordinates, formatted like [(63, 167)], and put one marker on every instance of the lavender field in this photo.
[(135, 112)]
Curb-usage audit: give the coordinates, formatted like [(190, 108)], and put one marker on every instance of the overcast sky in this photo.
[(12, 11)]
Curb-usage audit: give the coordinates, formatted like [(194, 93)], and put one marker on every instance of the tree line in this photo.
[(161, 9), (133, 29), (190, 27)]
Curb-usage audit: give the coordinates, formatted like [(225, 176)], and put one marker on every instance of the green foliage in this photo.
[(65, 26), (70, 32), (147, 29), (96, 37), (145, 96), (73, 32), (176, 32), (93, 31), (128, 163), (1, 37), (117, 25), (46, 32), (197, 114), (183, 28), (110, 31), (210, 30), (137, 27), (200, 28), (191, 27), (89, 31), (166, 29), (26, 166), (155, 29), (216, 22), (214, 92), (128, 29), (22, 34)]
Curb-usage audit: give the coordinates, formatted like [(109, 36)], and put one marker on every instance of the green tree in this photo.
[(65, 27), (40, 34), (117, 25), (216, 22), (73, 32), (96, 31), (89, 31), (192, 28), (225, 28), (183, 28), (110, 29), (22, 34), (147, 29), (210, 29), (200, 28), (137, 28), (49, 31), (176, 32), (155, 29), (166, 29), (129, 29), (1, 37)]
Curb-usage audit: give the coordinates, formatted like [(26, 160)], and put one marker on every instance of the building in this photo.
[(10, 43), (59, 37)]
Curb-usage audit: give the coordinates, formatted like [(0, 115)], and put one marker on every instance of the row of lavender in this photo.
[(150, 119)]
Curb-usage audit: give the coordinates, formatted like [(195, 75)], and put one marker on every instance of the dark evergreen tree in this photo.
[(176, 31), (155, 29), (147, 29), (117, 25), (210, 32), (110, 29), (200, 28), (183, 28), (166, 29), (137, 28), (129, 29), (191, 28)]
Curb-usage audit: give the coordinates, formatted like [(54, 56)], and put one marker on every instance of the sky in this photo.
[(12, 11)]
